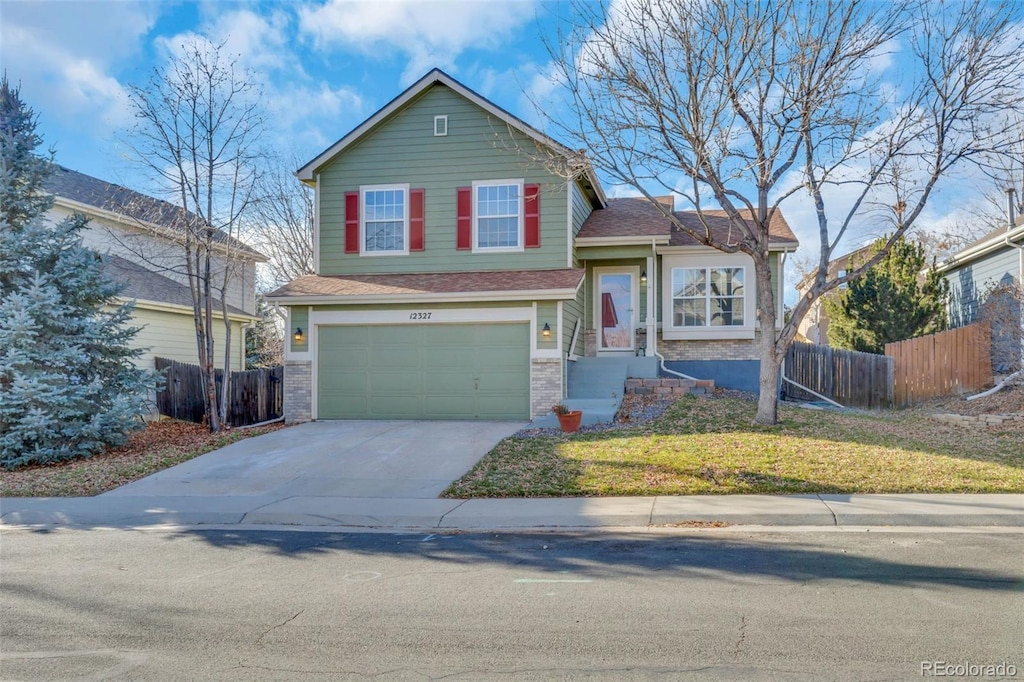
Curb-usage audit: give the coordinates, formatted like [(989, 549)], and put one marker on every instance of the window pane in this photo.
[(497, 212), (726, 311), (726, 281), (688, 312), (384, 221), (688, 282)]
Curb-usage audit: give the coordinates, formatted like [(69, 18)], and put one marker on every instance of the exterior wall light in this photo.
[(546, 331), (643, 277), (298, 336)]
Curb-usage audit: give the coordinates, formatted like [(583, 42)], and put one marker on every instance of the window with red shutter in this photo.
[(351, 222), (531, 216), (416, 240), (464, 219)]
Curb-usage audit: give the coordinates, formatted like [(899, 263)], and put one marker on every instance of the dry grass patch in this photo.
[(159, 446), (708, 446)]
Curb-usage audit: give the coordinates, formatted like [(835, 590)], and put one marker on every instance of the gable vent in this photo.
[(440, 126)]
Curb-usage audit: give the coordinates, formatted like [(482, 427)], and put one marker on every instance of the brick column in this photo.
[(545, 384), (298, 391)]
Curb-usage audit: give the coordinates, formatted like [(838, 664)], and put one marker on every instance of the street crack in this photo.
[(259, 640)]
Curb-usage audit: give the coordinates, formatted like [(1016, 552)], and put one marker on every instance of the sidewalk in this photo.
[(516, 514)]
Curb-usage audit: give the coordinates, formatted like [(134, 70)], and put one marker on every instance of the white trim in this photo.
[(570, 187), (442, 316), (974, 252), (442, 118), (316, 225), (363, 189), (437, 76), (637, 240), (699, 248), (520, 247), (634, 313), (289, 354), (558, 332), (721, 260)]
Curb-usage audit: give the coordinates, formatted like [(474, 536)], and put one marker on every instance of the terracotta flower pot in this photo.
[(570, 422)]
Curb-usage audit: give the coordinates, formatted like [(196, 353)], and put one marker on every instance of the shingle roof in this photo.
[(638, 217), (430, 283), (85, 189), (145, 285)]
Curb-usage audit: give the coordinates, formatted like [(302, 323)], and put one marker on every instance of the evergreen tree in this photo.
[(264, 345), (68, 387), (891, 301)]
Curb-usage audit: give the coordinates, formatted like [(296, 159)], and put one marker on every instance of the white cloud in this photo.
[(65, 57), (430, 34)]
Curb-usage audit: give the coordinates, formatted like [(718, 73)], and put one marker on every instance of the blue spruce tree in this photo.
[(68, 387)]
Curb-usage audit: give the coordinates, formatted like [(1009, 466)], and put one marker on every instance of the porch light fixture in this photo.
[(546, 331), (298, 336), (643, 277)]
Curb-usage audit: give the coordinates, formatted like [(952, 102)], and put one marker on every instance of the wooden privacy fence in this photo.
[(850, 378), (948, 363), (254, 396)]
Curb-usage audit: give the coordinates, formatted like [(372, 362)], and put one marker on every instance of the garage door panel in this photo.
[(439, 371)]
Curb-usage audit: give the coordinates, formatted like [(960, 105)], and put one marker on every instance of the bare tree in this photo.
[(283, 223), (198, 125), (747, 105)]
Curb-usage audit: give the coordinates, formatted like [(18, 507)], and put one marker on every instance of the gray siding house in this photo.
[(985, 283)]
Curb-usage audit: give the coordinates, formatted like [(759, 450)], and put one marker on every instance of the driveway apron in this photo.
[(376, 459)]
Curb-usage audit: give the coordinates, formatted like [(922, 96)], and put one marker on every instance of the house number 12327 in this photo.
[(419, 316)]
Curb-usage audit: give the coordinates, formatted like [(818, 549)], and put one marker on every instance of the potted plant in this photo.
[(568, 419)]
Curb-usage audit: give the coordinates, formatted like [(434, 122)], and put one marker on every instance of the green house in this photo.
[(462, 267)]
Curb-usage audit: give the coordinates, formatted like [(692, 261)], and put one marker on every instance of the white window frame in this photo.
[(443, 120), (362, 220), (671, 331), (522, 217)]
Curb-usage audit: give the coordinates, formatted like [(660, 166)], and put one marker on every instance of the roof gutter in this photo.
[(982, 249), (456, 297)]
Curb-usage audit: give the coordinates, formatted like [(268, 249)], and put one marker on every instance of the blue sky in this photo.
[(325, 65)]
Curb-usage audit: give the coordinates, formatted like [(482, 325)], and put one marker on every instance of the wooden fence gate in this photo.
[(850, 378), (948, 363), (255, 395)]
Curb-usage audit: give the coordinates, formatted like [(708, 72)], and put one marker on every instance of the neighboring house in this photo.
[(140, 245), (985, 282), (457, 275), (814, 327)]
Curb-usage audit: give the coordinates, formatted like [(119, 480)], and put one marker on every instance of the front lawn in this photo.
[(708, 446), (160, 445)]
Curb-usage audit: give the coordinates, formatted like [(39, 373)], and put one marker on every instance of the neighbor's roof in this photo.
[(638, 217), (498, 285), (306, 173), (143, 284), (993, 241), (85, 189), (839, 263)]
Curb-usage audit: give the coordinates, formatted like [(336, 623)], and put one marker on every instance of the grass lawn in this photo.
[(159, 446), (708, 446)]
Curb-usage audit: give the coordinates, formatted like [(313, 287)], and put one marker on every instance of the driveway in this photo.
[(382, 459)]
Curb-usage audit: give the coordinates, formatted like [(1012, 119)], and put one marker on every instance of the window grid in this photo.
[(384, 221), (497, 216), (708, 297)]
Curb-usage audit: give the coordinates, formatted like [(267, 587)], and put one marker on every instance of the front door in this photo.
[(615, 309)]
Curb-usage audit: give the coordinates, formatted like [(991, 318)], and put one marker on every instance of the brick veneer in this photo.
[(298, 396), (717, 349), (545, 384)]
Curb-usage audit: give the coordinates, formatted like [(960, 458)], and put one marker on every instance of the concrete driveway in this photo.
[(382, 459)]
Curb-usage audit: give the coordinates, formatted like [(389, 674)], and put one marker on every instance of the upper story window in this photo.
[(385, 220), (498, 215), (708, 297)]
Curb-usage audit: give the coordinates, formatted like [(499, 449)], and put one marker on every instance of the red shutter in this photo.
[(351, 222), (416, 220), (464, 223), (531, 214)]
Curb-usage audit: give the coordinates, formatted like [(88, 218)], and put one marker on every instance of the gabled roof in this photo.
[(497, 285), (86, 190), (144, 285), (435, 76), (840, 263), (637, 217), (993, 241)]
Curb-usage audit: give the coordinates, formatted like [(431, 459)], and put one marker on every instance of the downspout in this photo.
[(652, 327)]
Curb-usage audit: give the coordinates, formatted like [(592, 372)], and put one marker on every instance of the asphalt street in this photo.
[(709, 604)]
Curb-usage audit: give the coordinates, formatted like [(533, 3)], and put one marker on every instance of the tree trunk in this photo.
[(768, 400)]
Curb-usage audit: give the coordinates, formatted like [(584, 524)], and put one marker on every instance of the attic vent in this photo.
[(440, 126)]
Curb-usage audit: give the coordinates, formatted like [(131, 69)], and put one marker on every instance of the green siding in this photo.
[(615, 253), (572, 311), (443, 371), (403, 150), (300, 318)]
